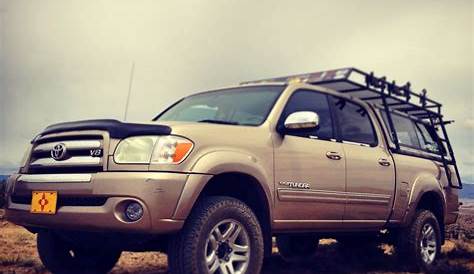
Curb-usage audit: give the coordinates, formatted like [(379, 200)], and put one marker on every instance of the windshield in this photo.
[(248, 106)]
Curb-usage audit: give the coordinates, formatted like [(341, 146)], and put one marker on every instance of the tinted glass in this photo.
[(305, 100), (406, 131), (426, 139), (240, 106), (354, 122)]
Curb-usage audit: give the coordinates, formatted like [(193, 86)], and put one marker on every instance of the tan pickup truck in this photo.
[(214, 177)]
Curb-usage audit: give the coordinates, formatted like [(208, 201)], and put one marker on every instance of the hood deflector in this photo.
[(115, 128)]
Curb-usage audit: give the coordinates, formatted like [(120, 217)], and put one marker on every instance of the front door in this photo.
[(309, 169)]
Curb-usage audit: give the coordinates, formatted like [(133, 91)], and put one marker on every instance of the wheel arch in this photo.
[(426, 192), (433, 200), (243, 187), (234, 174)]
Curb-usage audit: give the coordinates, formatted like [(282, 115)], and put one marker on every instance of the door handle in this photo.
[(384, 162), (333, 155)]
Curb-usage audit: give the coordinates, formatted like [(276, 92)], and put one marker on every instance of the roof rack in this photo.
[(389, 95)]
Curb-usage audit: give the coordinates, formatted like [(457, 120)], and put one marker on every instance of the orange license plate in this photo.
[(44, 202)]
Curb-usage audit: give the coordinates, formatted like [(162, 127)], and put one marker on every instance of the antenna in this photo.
[(132, 71)]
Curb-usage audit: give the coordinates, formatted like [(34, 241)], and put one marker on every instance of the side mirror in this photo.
[(302, 120)]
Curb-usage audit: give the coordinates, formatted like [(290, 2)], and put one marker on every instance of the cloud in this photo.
[(469, 123)]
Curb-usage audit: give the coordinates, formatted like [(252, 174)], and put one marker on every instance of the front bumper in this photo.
[(96, 202)]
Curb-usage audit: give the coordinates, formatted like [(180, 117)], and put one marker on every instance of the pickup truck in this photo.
[(217, 176)]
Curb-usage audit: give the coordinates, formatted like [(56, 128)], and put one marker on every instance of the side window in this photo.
[(406, 131), (306, 100), (354, 122), (426, 139)]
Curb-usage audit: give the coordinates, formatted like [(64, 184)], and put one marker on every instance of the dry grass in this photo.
[(18, 255)]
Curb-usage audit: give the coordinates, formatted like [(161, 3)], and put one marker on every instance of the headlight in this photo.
[(152, 149)]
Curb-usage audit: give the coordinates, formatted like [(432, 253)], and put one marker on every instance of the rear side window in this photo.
[(406, 130), (306, 100), (426, 138), (354, 122), (415, 134)]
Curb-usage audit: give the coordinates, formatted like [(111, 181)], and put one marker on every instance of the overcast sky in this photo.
[(71, 60)]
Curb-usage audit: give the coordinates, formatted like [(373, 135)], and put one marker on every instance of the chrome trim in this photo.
[(355, 143), (55, 178), (73, 161), (329, 221), (302, 119), (323, 196), (70, 145)]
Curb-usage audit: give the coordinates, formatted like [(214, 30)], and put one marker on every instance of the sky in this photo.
[(71, 60)]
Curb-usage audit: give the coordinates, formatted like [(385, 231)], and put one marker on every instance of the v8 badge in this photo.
[(96, 152)]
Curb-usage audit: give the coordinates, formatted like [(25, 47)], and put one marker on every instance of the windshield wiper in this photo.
[(218, 122)]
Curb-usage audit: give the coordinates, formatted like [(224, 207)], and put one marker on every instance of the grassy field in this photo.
[(18, 255)]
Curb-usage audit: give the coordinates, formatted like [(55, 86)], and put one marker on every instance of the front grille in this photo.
[(64, 201), (83, 154)]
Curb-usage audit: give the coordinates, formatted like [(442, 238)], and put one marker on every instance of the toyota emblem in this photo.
[(59, 152)]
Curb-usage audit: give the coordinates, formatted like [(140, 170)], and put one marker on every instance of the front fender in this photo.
[(219, 162)]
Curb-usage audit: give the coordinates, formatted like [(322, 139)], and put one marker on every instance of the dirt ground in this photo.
[(18, 255)]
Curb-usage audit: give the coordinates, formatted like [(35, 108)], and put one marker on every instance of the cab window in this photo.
[(307, 100), (353, 121)]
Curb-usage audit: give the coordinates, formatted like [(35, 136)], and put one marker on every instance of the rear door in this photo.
[(370, 172), (309, 169)]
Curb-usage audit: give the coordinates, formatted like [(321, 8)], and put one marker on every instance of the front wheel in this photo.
[(420, 243), (222, 236), (60, 256)]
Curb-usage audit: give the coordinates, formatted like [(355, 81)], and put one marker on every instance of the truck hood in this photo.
[(120, 130)]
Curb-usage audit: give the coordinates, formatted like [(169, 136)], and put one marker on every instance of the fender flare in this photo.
[(423, 184), (216, 163)]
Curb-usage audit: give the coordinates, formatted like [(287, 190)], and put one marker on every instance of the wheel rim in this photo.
[(428, 244), (227, 248)]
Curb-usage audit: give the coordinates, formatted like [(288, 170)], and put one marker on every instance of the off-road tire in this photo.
[(60, 257), (408, 245), (297, 248), (186, 249)]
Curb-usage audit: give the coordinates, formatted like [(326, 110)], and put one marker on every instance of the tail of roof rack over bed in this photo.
[(389, 95)]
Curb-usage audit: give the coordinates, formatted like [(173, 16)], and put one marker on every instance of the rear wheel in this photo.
[(60, 256), (222, 236), (420, 243), (297, 248)]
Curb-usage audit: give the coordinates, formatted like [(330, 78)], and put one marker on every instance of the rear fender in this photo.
[(424, 183)]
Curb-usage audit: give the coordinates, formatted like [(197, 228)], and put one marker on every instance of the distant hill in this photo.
[(467, 191)]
